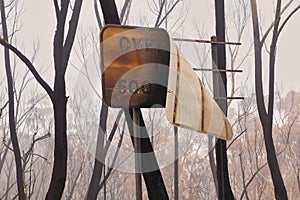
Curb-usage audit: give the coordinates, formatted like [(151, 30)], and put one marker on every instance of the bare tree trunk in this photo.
[(12, 123), (266, 118), (62, 50), (153, 179), (4, 154), (176, 165), (243, 175), (224, 188), (94, 187), (212, 163), (98, 165), (110, 12)]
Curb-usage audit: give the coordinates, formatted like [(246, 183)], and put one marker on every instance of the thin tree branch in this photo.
[(3, 107), (7, 190), (163, 19), (97, 14), (71, 32), (125, 7), (11, 111), (258, 63), (64, 4), (56, 9), (114, 159), (30, 66), (274, 22), (272, 62), (239, 135), (8, 147), (127, 13), (159, 13), (69, 197), (287, 19)]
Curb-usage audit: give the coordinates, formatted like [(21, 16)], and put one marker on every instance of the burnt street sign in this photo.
[(135, 66), (142, 69)]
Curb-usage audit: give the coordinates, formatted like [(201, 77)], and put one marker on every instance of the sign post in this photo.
[(141, 70), (135, 64), (137, 151)]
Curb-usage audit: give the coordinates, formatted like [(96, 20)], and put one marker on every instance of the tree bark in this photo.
[(98, 165), (62, 49), (266, 118), (153, 179), (12, 123), (224, 188)]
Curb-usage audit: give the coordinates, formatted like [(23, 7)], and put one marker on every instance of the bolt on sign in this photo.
[(135, 66)]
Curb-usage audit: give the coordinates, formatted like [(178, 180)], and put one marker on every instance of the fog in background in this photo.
[(37, 25)]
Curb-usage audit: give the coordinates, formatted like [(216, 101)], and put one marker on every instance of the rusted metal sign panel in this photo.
[(135, 66), (189, 104)]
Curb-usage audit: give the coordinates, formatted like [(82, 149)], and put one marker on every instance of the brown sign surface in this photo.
[(135, 66)]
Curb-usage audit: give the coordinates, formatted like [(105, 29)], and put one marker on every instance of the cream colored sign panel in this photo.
[(189, 104)]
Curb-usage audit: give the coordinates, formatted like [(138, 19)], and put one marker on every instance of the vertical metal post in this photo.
[(216, 77), (153, 179), (104, 173), (137, 151), (176, 191), (224, 187)]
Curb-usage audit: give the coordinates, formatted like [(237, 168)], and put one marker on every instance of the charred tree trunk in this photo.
[(12, 123), (224, 188), (266, 117), (110, 14), (62, 49), (98, 165), (153, 179)]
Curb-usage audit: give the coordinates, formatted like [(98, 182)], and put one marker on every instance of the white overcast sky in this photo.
[(38, 22)]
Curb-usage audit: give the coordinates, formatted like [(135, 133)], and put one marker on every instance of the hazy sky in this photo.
[(38, 22)]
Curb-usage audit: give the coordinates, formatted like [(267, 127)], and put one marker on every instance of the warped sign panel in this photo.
[(189, 103), (135, 66)]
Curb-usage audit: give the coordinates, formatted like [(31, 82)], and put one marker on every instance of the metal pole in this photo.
[(104, 173), (214, 55), (224, 187), (137, 151), (176, 191), (153, 179), (206, 41)]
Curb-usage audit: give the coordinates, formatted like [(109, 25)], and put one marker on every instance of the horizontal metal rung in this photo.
[(217, 70), (206, 41), (225, 98)]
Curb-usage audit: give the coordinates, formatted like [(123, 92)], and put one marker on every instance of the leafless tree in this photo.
[(62, 49), (266, 114), (12, 122)]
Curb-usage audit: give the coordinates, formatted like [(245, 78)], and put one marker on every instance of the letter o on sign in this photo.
[(124, 43)]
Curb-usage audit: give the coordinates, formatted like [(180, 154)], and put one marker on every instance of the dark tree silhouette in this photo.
[(12, 122), (62, 44), (266, 114)]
